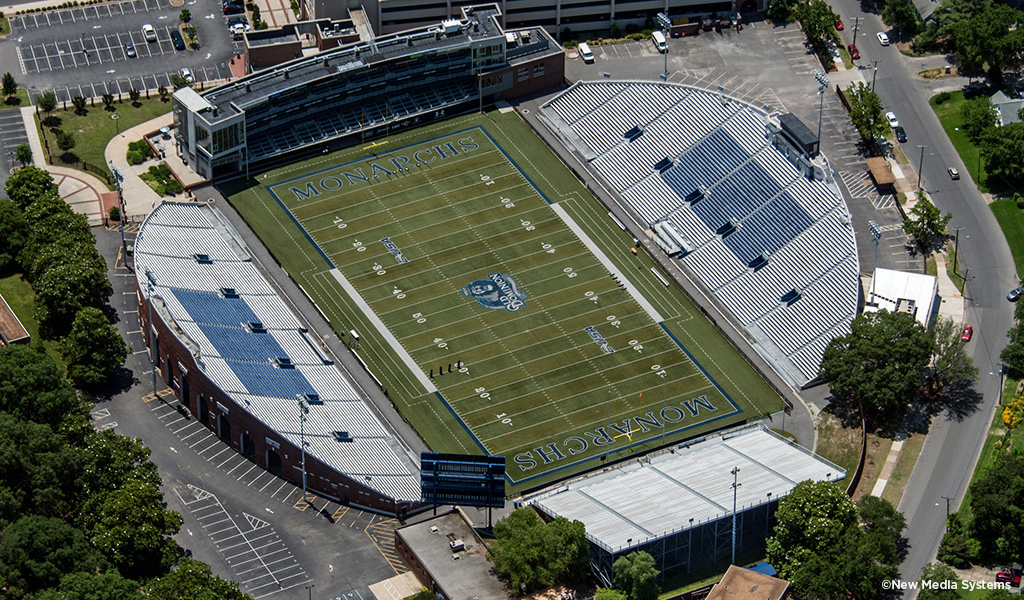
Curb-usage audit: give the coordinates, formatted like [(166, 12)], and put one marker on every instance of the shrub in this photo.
[(114, 213), (943, 97)]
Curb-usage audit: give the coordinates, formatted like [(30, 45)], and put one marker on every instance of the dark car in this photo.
[(854, 52), (901, 134), (177, 40), (234, 8), (238, 21)]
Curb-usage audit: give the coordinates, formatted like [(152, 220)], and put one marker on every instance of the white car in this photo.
[(883, 39), (186, 74), (149, 32), (891, 118)]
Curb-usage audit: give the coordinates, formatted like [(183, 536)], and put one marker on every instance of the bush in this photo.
[(943, 97), (160, 179), (114, 214)]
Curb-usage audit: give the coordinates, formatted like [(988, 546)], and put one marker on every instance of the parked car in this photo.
[(177, 40), (149, 32), (901, 134), (585, 53), (839, 24), (967, 333), (186, 74), (1004, 577), (129, 50), (954, 174), (891, 118), (883, 39), (1015, 294), (854, 52), (234, 8), (232, 21)]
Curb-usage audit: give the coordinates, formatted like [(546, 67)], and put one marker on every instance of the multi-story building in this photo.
[(361, 90)]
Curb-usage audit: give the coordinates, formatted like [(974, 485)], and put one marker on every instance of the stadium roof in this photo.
[(623, 507), (251, 345), (704, 171)]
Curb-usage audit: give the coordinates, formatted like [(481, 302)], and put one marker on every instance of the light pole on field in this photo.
[(303, 411), (665, 23), (822, 80), (876, 234)]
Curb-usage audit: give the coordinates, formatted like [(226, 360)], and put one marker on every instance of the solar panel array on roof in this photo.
[(752, 229)]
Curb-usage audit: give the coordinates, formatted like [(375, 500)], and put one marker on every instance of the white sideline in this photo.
[(397, 347), (608, 264)]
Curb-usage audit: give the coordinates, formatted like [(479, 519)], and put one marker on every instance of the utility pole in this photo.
[(956, 251), (735, 486), (873, 75), (947, 499), (856, 27), (303, 411), (920, 165)]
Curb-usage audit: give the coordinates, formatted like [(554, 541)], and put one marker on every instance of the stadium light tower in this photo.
[(822, 85), (876, 234), (665, 23), (303, 411), (735, 486), (150, 283)]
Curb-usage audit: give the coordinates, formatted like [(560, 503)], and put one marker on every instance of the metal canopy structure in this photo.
[(683, 499)]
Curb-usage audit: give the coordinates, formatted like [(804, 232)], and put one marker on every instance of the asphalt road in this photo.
[(81, 50), (951, 450)]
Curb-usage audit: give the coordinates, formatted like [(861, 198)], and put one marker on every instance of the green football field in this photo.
[(503, 311)]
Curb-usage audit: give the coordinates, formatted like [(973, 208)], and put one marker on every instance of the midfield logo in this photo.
[(496, 292)]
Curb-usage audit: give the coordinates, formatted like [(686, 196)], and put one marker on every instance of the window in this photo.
[(538, 70), (524, 73)]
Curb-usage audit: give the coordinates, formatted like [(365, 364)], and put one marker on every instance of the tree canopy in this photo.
[(943, 580), (880, 363), (636, 575), (902, 15), (93, 349), (977, 118), (827, 550), (1003, 151), (990, 39), (866, 111), (950, 363), (10, 86), (14, 232), (533, 555), (193, 580), (29, 184), (926, 222)]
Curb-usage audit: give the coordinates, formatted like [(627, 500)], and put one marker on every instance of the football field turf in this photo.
[(500, 308)]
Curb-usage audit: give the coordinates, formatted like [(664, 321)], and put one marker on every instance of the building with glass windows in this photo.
[(361, 90)]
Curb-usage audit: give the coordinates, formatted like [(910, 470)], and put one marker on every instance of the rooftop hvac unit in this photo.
[(451, 26)]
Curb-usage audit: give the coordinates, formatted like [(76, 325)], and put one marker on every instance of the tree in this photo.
[(41, 471), (132, 529), (185, 16), (162, 91), (902, 15), (1003, 151), (41, 550), (532, 554), (28, 372), (47, 102), (108, 101), (28, 184), (817, 20), (997, 504), (23, 154), (779, 10), (66, 141), (193, 580), (926, 222), (68, 286), (1001, 594), (10, 86), (93, 349), (880, 363), (989, 39), (637, 576), (14, 232), (79, 103), (977, 118), (811, 520), (957, 548), (866, 112), (950, 363), (102, 586), (178, 82), (944, 583)]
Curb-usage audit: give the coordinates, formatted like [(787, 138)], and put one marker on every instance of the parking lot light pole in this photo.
[(822, 80), (665, 23), (735, 487), (876, 234), (303, 411), (150, 282)]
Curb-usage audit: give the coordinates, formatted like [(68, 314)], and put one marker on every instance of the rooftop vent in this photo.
[(696, 195), (255, 327), (227, 292), (312, 398), (663, 165), (283, 362), (203, 259), (342, 436), (790, 297), (634, 133), (759, 261), (451, 26), (727, 228)]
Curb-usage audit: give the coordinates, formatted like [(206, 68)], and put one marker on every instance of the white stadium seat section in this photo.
[(714, 264), (581, 98)]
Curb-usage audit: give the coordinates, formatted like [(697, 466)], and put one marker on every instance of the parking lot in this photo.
[(85, 51), (261, 562)]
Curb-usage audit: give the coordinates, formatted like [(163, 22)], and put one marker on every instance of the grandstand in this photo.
[(238, 358), (755, 220)]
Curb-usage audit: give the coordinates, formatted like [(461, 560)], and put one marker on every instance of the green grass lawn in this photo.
[(949, 115), (94, 129), (1011, 221), (5, 26), (463, 261), (19, 99), (20, 297)]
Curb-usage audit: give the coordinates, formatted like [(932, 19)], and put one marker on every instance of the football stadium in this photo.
[(498, 305)]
